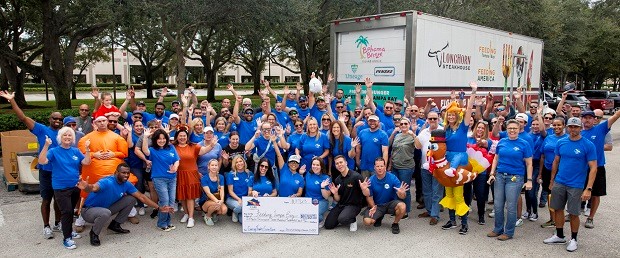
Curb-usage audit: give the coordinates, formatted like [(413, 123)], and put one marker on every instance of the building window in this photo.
[(273, 79), (247, 79), (226, 79), (291, 78), (79, 78), (107, 78)]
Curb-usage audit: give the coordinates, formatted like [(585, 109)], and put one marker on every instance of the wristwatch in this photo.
[(529, 180), (589, 189)]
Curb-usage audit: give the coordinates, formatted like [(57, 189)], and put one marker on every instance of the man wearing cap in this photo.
[(303, 109), (522, 119), (596, 134), (70, 122), (175, 108), (318, 107), (385, 116), (45, 171), (246, 126), (374, 143), (573, 167), (398, 106)]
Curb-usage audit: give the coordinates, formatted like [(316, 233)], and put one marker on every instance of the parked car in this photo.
[(551, 99), (573, 98), (170, 93), (616, 97), (600, 99)]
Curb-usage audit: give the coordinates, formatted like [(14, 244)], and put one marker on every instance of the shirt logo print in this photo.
[(375, 140), (172, 155), (593, 137), (317, 145), (74, 157), (296, 182), (516, 148), (577, 151), (386, 186)]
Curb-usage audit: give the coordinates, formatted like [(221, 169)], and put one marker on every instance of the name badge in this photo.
[(235, 178)]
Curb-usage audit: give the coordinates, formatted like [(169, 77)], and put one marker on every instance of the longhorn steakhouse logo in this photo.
[(450, 61)]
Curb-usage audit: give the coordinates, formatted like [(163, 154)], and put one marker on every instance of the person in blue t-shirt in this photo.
[(212, 199), (385, 115), (291, 177), (317, 182), (66, 161), (312, 144), (165, 162), (547, 156), (246, 126), (574, 166), (456, 124), (45, 171), (596, 134), (262, 145), (386, 193), (513, 162), (374, 143), (264, 182), (196, 127), (341, 144), (239, 183), (112, 195)]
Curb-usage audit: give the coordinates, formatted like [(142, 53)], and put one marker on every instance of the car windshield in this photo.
[(596, 94)]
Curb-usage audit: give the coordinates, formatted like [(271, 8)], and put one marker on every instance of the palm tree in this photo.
[(361, 41)]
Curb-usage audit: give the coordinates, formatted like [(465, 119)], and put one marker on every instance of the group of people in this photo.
[(352, 162)]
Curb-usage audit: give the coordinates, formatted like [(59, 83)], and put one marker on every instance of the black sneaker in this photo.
[(406, 216), (395, 228), (481, 220), (449, 225), (94, 239), (463, 230), (154, 213), (378, 222)]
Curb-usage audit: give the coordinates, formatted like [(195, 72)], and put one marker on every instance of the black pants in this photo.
[(417, 175), (342, 214), (67, 199)]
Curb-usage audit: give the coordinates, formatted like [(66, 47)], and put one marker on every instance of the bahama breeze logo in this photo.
[(368, 52), (450, 61)]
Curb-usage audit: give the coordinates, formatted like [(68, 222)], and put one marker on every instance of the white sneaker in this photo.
[(208, 221), (519, 223), (75, 235), (80, 222), (190, 223), (572, 245), (492, 214), (69, 244), (586, 212), (353, 226), (133, 212), (214, 218), (47, 233), (525, 215), (533, 217), (141, 211), (555, 240), (235, 218), (57, 227), (322, 224), (185, 218)]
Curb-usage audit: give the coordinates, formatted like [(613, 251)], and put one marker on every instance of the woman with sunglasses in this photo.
[(326, 122), (317, 182), (511, 167), (293, 140), (404, 142), (340, 144), (546, 161), (264, 182), (238, 183), (312, 144), (291, 176)]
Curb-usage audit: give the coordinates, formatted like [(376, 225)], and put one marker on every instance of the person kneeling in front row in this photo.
[(385, 197), (111, 195)]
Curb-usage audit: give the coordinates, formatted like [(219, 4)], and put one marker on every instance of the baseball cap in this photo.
[(141, 103), (173, 116), (293, 111), (399, 102), (68, 119), (295, 158), (588, 113), (574, 121), (175, 102), (373, 117), (137, 112), (522, 116), (303, 98), (320, 98), (207, 129)]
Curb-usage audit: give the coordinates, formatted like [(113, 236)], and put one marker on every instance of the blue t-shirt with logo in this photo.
[(382, 190), (222, 138), (371, 143), (313, 185), (317, 113), (310, 147), (110, 191), (196, 137), (522, 135), (40, 131), (511, 154), (574, 158), (596, 135), (263, 186), (289, 182), (203, 160), (213, 186), (548, 148), (387, 121), (66, 163), (456, 140), (162, 159), (294, 140), (240, 182), (246, 130), (264, 146)]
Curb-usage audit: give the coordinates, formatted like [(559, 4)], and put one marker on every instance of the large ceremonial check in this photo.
[(280, 215)]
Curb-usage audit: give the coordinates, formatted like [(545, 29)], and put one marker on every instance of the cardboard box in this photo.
[(12, 143)]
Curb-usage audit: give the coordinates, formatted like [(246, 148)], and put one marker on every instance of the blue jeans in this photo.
[(457, 158), (433, 192), (405, 175), (507, 192), (166, 189), (139, 173), (323, 206), (235, 207), (531, 196)]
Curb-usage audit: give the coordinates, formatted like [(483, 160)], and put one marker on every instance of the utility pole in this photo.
[(378, 6)]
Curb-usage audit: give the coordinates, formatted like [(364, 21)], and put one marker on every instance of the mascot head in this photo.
[(437, 149)]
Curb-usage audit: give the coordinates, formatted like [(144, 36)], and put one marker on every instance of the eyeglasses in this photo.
[(533, 106), (57, 118), (388, 107), (500, 109), (431, 118), (266, 129), (512, 128), (84, 109), (326, 119), (72, 124), (299, 125), (396, 118), (293, 114), (548, 118), (249, 113), (113, 121), (264, 166), (404, 123), (339, 106), (414, 110), (137, 117)]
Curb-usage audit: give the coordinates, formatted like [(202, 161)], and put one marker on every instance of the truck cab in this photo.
[(600, 99)]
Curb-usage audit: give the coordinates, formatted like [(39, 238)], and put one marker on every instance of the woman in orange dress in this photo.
[(188, 178)]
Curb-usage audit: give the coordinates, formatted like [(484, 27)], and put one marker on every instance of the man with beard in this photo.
[(318, 106), (246, 126), (112, 195), (373, 144), (385, 116), (45, 171)]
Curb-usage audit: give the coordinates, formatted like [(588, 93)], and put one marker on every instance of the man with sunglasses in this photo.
[(45, 171), (385, 116), (246, 126), (84, 121), (432, 189)]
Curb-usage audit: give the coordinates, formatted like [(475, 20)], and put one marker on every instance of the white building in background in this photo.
[(126, 67)]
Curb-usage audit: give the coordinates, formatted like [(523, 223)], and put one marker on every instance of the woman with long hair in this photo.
[(264, 182), (511, 165), (195, 129), (221, 131), (165, 162), (317, 182), (212, 201), (546, 162), (231, 150), (239, 183), (312, 144), (479, 141), (340, 144), (404, 141), (188, 177), (326, 123)]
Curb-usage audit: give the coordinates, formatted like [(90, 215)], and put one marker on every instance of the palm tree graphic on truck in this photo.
[(361, 41)]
